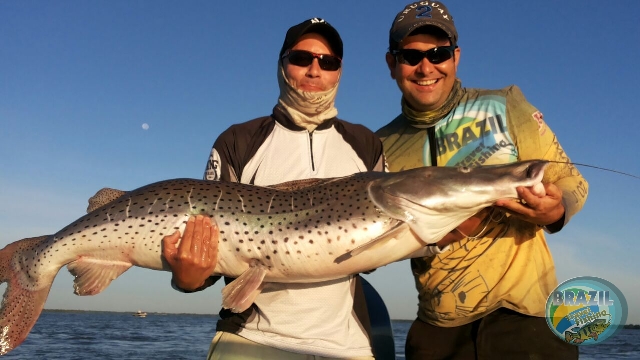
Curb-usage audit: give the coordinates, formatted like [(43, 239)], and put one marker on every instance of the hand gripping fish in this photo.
[(296, 232)]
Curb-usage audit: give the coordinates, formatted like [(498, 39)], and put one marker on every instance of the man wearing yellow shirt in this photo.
[(482, 295)]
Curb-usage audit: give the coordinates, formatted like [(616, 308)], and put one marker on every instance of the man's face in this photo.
[(425, 86), (311, 78)]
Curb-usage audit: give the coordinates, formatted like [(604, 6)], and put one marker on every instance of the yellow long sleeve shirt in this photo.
[(510, 265)]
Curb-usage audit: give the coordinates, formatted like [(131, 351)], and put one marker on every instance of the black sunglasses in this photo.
[(305, 58), (435, 56)]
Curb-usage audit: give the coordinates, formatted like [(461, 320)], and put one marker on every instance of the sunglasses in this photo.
[(435, 56), (305, 58)]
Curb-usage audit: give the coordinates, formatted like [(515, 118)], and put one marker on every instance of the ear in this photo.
[(456, 57), (391, 64)]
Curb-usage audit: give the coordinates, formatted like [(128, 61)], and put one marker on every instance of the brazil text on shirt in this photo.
[(475, 133)]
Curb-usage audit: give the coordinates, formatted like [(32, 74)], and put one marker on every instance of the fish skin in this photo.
[(296, 232)]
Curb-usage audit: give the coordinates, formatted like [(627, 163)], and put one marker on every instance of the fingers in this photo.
[(187, 237), (213, 242), (206, 238), (531, 200), (553, 191), (514, 207), (198, 230), (169, 249)]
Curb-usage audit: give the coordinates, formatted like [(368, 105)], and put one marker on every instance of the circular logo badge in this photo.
[(586, 310)]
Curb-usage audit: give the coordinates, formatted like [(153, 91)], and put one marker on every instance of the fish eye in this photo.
[(464, 169)]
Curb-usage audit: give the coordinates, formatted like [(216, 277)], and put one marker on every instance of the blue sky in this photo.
[(79, 79)]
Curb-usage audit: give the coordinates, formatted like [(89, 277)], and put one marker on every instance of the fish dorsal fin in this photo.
[(241, 292), (299, 184), (92, 275), (103, 197), (379, 241)]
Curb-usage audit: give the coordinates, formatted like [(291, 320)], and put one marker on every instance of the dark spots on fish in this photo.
[(299, 252), (237, 249), (262, 242), (310, 241), (268, 257), (224, 239)]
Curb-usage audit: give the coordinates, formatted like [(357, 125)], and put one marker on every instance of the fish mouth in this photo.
[(534, 171)]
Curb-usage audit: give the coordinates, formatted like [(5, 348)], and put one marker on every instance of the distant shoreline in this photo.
[(148, 313), (628, 326), (122, 312)]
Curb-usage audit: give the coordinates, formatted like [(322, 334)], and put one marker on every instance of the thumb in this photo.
[(169, 249)]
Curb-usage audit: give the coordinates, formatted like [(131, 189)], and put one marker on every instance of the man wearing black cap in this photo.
[(483, 294), (301, 139)]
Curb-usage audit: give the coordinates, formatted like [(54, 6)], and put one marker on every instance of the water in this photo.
[(84, 335)]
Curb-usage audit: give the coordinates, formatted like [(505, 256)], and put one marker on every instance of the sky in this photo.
[(125, 93)]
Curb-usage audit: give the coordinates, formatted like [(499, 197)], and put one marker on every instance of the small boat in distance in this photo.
[(140, 313)]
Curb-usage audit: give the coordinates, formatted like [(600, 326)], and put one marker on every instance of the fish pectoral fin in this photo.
[(241, 292), (92, 275), (103, 197), (381, 240)]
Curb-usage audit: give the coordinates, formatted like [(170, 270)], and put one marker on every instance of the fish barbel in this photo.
[(307, 231)]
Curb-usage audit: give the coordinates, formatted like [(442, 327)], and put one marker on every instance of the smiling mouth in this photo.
[(426, 82)]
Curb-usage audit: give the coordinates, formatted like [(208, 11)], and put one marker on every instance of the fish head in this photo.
[(435, 200), (599, 325)]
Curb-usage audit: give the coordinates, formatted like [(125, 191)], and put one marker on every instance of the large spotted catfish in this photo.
[(296, 232)]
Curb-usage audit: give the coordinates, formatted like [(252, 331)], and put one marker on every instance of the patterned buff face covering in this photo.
[(427, 119), (307, 109)]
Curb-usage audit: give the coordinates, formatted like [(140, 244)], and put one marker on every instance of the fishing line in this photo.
[(594, 167)]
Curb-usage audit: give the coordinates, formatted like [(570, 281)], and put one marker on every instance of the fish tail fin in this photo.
[(21, 304)]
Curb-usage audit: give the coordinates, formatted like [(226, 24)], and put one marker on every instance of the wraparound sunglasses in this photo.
[(305, 58), (435, 56)]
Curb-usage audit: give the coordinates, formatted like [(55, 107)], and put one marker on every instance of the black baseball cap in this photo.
[(317, 26), (420, 14)]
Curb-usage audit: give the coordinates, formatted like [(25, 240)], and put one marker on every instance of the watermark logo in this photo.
[(586, 310)]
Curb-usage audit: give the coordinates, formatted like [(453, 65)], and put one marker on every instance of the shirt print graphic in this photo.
[(475, 133)]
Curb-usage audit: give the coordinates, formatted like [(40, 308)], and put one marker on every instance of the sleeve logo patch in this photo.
[(542, 127)]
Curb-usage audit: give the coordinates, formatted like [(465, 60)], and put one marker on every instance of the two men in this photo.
[(483, 293), (301, 139), (483, 296)]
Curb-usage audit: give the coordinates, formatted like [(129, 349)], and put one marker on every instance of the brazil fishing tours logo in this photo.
[(586, 310)]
